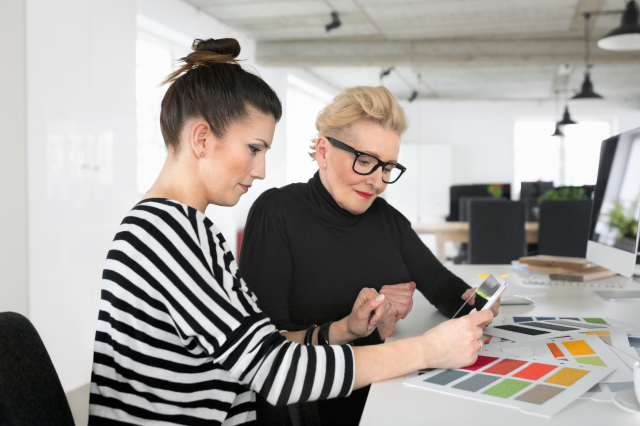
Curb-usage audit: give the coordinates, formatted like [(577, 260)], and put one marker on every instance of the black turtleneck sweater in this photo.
[(306, 258)]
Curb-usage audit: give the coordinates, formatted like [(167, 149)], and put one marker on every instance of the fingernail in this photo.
[(473, 310), (371, 327), (380, 298)]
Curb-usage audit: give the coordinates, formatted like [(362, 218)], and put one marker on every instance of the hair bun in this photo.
[(222, 46)]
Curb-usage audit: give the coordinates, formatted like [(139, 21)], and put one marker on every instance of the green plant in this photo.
[(623, 220), (496, 190), (565, 193)]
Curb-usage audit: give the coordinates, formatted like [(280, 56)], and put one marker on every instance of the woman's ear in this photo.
[(200, 138), (321, 151)]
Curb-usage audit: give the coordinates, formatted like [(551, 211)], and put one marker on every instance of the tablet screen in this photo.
[(483, 293)]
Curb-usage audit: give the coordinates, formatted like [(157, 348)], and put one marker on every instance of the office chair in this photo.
[(496, 232), (463, 211), (476, 190), (30, 391), (564, 227)]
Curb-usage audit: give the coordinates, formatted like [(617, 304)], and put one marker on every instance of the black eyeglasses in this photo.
[(366, 164)]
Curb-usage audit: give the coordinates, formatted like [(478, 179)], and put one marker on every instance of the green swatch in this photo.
[(562, 359), (591, 360), (506, 388), (595, 320)]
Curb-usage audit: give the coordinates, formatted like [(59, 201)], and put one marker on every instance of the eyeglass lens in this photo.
[(365, 163)]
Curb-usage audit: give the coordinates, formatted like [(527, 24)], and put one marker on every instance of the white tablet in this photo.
[(487, 293)]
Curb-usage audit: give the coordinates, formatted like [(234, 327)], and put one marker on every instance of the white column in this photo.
[(13, 158)]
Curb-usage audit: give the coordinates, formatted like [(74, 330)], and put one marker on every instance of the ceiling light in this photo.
[(414, 96), (587, 87), (335, 23), (558, 132), (566, 118), (385, 73), (627, 35)]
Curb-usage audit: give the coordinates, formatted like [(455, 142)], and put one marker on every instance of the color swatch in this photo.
[(567, 376), (548, 326), (541, 388), (578, 348), (591, 360), (521, 330)]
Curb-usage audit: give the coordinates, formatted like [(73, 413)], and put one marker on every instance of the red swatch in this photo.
[(505, 366), (534, 371), (481, 362), (555, 350)]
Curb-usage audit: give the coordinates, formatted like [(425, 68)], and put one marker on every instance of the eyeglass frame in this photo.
[(345, 147)]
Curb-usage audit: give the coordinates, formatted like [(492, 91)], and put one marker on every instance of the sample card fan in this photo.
[(546, 329), (539, 388)]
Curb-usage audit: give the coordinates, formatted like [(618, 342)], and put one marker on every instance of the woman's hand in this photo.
[(455, 343), (401, 298), (367, 312), (387, 322), (470, 293)]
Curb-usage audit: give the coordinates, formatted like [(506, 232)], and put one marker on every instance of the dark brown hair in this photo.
[(212, 85)]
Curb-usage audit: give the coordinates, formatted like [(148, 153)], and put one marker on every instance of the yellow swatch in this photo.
[(599, 333), (487, 274), (567, 376), (578, 348)]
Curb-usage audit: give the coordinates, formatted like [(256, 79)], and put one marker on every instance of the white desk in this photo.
[(390, 403)]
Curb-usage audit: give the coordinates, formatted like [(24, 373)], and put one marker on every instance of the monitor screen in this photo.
[(613, 240)]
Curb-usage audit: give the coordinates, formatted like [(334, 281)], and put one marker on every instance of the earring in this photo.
[(202, 154), (325, 166)]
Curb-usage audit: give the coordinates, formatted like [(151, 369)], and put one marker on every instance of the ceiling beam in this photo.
[(435, 53)]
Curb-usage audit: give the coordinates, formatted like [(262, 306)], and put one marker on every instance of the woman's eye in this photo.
[(363, 162), (254, 149)]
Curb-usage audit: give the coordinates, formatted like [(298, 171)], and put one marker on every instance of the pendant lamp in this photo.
[(627, 35), (566, 118), (558, 132), (587, 87)]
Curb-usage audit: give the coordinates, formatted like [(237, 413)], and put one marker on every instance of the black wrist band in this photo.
[(323, 334), (308, 336)]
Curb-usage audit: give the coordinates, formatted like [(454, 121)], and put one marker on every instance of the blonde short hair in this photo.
[(375, 104)]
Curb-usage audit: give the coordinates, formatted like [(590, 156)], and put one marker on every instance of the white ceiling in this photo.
[(462, 49)]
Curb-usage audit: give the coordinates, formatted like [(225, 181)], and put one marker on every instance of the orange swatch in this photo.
[(578, 348), (555, 350), (567, 376), (534, 371), (599, 333)]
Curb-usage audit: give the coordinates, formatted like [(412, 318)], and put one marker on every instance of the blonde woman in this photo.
[(309, 248)]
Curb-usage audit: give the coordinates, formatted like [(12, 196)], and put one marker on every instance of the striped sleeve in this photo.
[(208, 300)]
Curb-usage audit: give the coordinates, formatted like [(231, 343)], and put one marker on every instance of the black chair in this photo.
[(496, 232), (463, 211), (564, 227), (477, 190), (529, 193), (30, 391)]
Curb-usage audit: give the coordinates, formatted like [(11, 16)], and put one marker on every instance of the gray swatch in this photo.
[(595, 388), (549, 326), (521, 330), (475, 383), (572, 324), (620, 386), (446, 377)]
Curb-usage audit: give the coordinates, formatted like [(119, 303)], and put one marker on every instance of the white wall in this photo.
[(13, 161), (82, 164)]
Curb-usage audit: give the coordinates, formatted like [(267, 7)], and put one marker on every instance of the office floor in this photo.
[(79, 403)]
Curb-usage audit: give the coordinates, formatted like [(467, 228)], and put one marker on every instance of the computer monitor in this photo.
[(613, 240)]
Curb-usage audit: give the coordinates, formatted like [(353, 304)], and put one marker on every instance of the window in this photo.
[(304, 102), (538, 156)]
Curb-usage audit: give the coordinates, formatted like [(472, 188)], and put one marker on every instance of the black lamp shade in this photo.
[(566, 118), (587, 89), (627, 35), (558, 132)]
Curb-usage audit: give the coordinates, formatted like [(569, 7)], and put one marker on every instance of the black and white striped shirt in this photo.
[(180, 338)]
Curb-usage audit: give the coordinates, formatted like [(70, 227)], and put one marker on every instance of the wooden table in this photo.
[(458, 232)]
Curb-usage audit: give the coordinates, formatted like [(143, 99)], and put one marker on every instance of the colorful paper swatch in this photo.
[(578, 348), (540, 388)]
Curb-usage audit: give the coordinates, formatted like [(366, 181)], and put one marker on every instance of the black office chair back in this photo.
[(463, 205), (476, 190), (30, 391), (564, 227), (496, 232)]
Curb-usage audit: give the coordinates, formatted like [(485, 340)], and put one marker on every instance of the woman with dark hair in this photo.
[(180, 338), (309, 248)]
